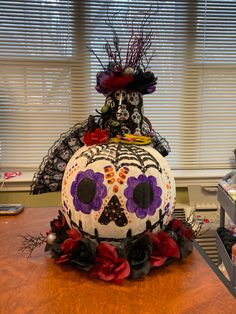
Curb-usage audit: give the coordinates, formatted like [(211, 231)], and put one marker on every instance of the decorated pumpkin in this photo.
[(112, 191), (118, 193)]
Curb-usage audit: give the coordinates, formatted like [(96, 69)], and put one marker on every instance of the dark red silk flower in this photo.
[(163, 247), (95, 137), (109, 266), (69, 245)]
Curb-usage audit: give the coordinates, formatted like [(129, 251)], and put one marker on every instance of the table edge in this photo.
[(219, 274)]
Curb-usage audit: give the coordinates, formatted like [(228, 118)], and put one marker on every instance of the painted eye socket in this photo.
[(143, 195), (86, 190)]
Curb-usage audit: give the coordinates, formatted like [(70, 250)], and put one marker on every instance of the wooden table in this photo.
[(37, 285)]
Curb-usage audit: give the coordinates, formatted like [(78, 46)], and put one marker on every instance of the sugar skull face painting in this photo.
[(113, 191)]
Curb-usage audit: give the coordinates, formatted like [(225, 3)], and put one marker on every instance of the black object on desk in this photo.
[(11, 209)]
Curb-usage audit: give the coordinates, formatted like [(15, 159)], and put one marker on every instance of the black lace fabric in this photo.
[(51, 170)]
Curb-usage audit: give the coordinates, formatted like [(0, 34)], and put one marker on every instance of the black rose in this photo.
[(84, 256), (138, 252), (186, 248)]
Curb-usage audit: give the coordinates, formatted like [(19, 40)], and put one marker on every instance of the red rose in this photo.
[(181, 229), (72, 242), (163, 247), (96, 137), (62, 259), (176, 224), (59, 223), (74, 234), (109, 266), (187, 233)]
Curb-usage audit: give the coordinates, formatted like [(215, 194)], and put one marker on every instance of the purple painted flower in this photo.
[(143, 196), (88, 191)]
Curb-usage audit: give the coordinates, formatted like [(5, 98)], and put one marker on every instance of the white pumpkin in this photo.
[(112, 191)]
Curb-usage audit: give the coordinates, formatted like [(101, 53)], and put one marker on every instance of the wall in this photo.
[(44, 200)]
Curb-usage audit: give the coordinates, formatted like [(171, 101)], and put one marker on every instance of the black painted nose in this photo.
[(113, 212)]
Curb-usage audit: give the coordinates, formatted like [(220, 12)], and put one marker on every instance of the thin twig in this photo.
[(99, 60), (30, 243)]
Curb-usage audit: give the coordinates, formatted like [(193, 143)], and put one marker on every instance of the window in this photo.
[(48, 75), (39, 78), (215, 59)]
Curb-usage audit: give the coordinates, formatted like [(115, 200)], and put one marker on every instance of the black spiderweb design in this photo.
[(121, 155)]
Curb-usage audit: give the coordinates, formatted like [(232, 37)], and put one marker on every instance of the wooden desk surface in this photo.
[(37, 285)]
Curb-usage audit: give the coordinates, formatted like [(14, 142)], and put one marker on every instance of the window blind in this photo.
[(48, 75), (215, 57), (41, 91)]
